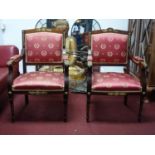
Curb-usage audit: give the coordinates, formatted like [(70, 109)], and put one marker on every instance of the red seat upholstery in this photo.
[(115, 82), (39, 80)]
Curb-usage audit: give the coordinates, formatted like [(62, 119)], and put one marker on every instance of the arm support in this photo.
[(66, 72), (89, 73), (13, 66), (142, 69)]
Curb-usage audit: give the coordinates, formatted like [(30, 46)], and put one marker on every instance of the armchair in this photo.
[(110, 48), (6, 52), (40, 47)]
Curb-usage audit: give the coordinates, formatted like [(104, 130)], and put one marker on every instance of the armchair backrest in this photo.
[(110, 48), (42, 47)]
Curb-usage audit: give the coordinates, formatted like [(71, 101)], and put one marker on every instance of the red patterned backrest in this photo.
[(43, 47), (109, 48)]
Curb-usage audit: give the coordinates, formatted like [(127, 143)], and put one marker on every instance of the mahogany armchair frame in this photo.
[(135, 59), (18, 58)]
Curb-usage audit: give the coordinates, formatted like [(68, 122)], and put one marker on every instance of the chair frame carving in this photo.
[(142, 74), (20, 57)]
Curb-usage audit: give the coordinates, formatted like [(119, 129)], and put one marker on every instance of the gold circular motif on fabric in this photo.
[(30, 53), (116, 46), (123, 54), (57, 53), (36, 45), (103, 46), (96, 53), (109, 54), (50, 45), (44, 53)]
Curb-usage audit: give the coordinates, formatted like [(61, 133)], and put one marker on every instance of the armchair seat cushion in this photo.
[(3, 78), (112, 81), (39, 81)]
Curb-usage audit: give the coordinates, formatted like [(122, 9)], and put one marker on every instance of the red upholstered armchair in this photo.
[(40, 47), (110, 48), (6, 52)]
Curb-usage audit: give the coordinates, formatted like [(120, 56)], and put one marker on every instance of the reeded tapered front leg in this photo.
[(140, 107), (65, 106)]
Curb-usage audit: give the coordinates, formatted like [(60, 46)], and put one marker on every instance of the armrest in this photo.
[(13, 66), (143, 66), (14, 59), (138, 61)]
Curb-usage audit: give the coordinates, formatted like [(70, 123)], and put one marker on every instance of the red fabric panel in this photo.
[(43, 47), (109, 48), (39, 81), (3, 78), (6, 52), (115, 82)]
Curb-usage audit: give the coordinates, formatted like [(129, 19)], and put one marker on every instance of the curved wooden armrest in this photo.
[(12, 65), (138, 61), (14, 59)]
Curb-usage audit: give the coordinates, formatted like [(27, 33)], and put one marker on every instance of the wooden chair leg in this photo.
[(125, 100), (88, 107), (26, 99), (65, 106), (12, 107), (140, 107)]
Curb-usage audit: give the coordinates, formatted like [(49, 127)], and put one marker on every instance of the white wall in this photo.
[(106, 23), (1, 37), (13, 36), (114, 23)]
